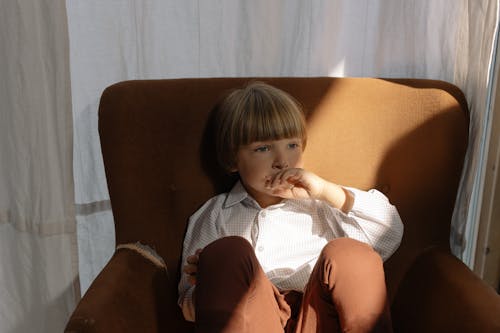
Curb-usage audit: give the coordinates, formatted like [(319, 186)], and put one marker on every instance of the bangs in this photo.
[(264, 124), (264, 118)]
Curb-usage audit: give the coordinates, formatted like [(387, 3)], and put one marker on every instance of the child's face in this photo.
[(260, 161)]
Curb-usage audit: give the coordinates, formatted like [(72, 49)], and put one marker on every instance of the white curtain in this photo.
[(45, 87), (38, 247)]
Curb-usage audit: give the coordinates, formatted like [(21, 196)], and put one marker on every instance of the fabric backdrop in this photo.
[(38, 248)]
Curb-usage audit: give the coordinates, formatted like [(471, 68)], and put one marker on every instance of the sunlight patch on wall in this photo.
[(338, 69)]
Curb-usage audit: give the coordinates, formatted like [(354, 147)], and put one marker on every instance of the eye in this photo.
[(261, 149), (293, 145)]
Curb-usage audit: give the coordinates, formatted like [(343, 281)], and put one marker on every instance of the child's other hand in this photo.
[(296, 183), (192, 267)]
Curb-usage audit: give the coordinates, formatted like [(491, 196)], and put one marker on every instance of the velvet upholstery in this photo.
[(405, 137)]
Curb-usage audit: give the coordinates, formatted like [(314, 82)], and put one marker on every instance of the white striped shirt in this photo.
[(288, 237)]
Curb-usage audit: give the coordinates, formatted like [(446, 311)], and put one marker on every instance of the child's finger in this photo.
[(193, 259), (278, 179), (190, 269), (293, 179), (285, 179)]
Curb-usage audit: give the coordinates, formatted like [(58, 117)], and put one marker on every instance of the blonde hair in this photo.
[(257, 112)]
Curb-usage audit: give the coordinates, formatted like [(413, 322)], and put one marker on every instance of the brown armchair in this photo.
[(405, 137)]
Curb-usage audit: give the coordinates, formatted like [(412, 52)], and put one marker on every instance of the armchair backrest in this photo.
[(406, 138)]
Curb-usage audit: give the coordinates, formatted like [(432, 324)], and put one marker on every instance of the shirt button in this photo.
[(263, 214), (260, 248)]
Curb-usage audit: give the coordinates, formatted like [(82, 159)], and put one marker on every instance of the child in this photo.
[(284, 250)]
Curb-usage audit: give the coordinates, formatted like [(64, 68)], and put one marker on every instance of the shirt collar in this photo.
[(236, 195)]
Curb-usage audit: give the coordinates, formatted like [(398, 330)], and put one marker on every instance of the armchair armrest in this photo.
[(439, 293), (129, 295)]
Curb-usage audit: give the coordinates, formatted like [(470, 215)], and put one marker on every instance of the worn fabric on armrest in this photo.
[(145, 251), (129, 295)]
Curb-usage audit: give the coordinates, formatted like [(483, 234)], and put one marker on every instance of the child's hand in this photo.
[(192, 267), (296, 183)]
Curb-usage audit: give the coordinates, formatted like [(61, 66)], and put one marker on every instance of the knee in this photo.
[(228, 244), (348, 247), (232, 258), (351, 250), (227, 250)]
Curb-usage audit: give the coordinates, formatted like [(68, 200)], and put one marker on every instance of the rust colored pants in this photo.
[(345, 293)]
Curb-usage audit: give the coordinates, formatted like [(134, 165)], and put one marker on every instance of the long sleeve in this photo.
[(372, 220), (201, 231)]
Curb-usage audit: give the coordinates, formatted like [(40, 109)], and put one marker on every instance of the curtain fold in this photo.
[(476, 79), (38, 247), (450, 40)]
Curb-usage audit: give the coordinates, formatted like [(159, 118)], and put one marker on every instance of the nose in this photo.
[(280, 165), (280, 162)]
